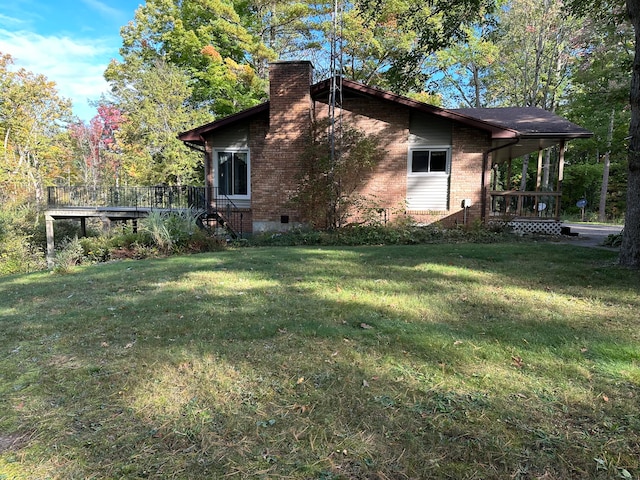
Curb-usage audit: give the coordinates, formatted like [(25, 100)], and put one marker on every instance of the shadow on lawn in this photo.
[(176, 374)]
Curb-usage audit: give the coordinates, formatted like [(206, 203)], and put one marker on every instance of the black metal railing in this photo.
[(157, 197), (513, 203), (207, 202)]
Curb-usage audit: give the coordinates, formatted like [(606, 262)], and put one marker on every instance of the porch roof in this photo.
[(537, 129)]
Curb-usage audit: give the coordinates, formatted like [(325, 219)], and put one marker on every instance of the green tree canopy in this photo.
[(33, 118), (206, 40)]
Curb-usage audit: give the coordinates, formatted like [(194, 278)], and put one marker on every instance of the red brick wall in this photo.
[(387, 186), (466, 171)]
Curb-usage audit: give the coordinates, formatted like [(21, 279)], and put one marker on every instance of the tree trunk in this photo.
[(602, 214), (630, 248)]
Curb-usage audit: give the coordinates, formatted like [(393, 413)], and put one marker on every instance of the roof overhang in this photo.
[(196, 135), (514, 131), (537, 129)]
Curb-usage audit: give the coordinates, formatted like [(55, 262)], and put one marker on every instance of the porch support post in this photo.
[(539, 176), (51, 249), (507, 199), (483, 188), (560, 177)]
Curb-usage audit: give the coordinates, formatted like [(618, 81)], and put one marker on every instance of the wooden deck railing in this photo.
[(514, 203)]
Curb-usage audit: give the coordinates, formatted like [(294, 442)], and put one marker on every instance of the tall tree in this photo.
[(465, 67), (96, 148), (290, 29), (32, 123), (630, 248), (154, 101), (205, 39), (399, 37), (598, 99), (536, 48)]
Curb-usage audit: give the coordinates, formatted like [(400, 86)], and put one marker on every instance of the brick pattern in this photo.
[(275, 168), (387, 185)]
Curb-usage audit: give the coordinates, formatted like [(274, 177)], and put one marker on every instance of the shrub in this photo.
[(70, 254), (20, 252), (613, 240), (402, 233), (171, 232)]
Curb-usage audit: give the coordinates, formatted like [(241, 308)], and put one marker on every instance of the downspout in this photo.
[(483, 184)]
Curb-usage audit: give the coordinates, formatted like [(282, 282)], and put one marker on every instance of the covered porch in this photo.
[(524, 168)]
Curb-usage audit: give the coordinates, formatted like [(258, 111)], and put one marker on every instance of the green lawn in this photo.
[(509, 361)]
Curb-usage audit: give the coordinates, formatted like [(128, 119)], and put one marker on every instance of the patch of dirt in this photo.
[(12, 441)]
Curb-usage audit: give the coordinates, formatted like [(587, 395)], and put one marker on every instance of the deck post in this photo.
[(106, 223), (51, 249), (539, 173)]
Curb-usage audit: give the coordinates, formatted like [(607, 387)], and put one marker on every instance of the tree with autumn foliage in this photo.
[(206, 41), (96, 151), (33, 118), (155, 105)]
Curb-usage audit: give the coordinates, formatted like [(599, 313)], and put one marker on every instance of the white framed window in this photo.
[(428, 178), (233, 173)]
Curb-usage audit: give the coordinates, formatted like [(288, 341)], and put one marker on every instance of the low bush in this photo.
[(68, 256), (613, 240), (20, 250), (392, 234)]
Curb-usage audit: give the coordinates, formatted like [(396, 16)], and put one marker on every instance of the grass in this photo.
[(437, 361)]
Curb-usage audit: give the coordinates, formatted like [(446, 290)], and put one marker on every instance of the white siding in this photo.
[(428, 192)]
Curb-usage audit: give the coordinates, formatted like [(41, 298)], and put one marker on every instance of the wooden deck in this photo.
[(122, 204)]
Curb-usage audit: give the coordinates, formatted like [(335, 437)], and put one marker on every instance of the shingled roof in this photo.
[(520, 130), (527, 121)]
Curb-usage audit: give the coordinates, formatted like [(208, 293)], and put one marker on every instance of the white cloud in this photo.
[(76, 65), (105, 9), (10, 21)]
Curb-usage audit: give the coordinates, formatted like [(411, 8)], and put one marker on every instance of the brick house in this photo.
[(440, 164)]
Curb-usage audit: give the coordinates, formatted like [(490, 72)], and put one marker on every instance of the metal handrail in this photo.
[(205, 200)]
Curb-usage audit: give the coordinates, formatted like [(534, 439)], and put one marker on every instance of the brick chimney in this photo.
[(290, 112), (289, 96)]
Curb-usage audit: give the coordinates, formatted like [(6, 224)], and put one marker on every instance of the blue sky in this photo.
[(69, 41)]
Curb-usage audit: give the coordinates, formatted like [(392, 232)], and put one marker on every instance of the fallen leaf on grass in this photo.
[(517, 361), (365, 326), (300, 380), (365, 383)]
